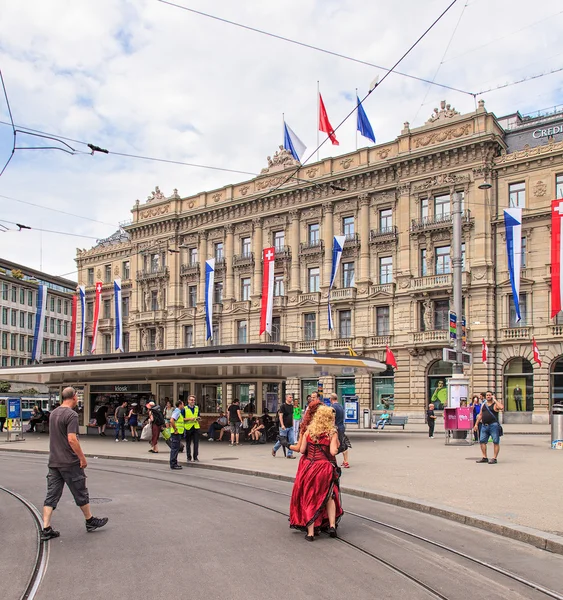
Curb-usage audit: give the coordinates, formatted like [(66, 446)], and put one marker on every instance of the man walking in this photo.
[(66, 466), (285, 416), (177, 425), (341, 428), (191, 424), (489, 417), (120, 414)]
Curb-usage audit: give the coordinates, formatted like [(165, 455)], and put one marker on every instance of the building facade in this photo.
[(392, 202), (18, 307)]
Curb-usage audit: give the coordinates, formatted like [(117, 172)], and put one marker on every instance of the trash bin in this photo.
[(557, 427), (367, 418)]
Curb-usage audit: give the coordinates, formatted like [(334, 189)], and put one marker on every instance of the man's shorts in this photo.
[(235, 426), (490, 430), (75, 479)]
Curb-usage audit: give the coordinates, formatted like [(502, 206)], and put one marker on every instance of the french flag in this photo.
[(82, 294), (118, 315), (97, 304), (209, 283), (556, 257), (269, 259), (39, 323)]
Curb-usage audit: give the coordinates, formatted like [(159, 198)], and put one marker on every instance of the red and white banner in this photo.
[(269, 257), (556, 256), (484, 351), (97, 304), (536, 350), (390, 358), (73, 325)]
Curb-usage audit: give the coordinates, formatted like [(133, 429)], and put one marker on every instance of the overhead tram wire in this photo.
[(524, 80), (297, 169), (136, 156), (312, 47), (11, 124)]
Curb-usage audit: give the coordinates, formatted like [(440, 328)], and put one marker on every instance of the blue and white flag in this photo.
[(82, 294), (513, 226), (118, 314), (364, 126), (209, 284), (314, 351), (39, 323), (337, 248), (292, 143)]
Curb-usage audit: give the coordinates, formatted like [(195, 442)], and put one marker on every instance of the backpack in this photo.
[(158, 417)]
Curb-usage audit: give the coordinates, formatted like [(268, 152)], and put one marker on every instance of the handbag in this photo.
[(500, 429), (146, 433)]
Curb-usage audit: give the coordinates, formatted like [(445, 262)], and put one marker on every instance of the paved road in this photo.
[(229, 534)]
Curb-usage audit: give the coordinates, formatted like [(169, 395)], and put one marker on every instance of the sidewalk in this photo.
[(523, 489)]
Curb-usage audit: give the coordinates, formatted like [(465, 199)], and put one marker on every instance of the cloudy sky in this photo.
[(145, 78)]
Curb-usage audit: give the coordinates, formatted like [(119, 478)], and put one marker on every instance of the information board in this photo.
[(351, 409)]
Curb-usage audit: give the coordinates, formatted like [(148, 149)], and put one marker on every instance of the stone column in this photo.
[(328, 237), (258, 247), (295, 284), (229, 253), (364, 238), (202, 251)]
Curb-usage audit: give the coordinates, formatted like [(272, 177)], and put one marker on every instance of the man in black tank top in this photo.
[(489, 419)]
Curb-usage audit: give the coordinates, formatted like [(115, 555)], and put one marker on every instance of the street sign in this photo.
[(453, 326), (463, 334)]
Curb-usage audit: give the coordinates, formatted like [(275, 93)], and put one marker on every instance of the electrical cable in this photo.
[(11, 124), (58, 211), (310, 46), (91, 237), (525, 79), (163, 160)]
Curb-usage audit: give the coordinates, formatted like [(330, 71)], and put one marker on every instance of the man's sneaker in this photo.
[(210, 439), (493, 461), (117, 441), (176, 467), (483, 460), (49, 534), (95, 523), (124, 440)]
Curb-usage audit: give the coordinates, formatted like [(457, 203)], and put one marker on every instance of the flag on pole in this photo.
[(513, 226), (73, 321), (364, 126), (314, 351), (292, 143), (118, 314), (536, 350), (484, 351), (351, 351), (269, 256), (324, 123), (39, 322), (209, 283), (337, 248), (390, 358), (97, 304), (556, 257), (82, 293)]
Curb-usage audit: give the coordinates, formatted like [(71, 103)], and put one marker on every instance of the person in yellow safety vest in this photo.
[(177, 425), (192, 419), (3, 414)]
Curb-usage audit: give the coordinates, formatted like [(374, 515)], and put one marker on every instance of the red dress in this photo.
[(316, 481)]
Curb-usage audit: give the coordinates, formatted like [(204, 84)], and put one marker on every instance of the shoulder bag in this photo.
[(500, 429)]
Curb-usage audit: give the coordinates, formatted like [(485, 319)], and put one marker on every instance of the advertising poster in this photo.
[(516, 394)]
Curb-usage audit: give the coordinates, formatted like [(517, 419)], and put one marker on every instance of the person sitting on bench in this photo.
[(382, 420), (257, 431), (217, 425)]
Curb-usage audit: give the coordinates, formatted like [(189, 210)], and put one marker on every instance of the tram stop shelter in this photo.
[(253, 373)]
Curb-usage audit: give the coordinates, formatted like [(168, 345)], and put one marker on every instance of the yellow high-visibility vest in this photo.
[(191, 414), (180, 425)]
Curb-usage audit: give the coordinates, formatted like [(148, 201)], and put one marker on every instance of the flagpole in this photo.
[(318, 113), (356, 118)]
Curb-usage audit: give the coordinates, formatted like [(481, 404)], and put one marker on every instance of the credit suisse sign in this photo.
[(541, 133)]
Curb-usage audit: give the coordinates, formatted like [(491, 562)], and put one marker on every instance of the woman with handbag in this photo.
[(315, 499)]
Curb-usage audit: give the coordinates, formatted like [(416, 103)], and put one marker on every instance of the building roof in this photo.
[(30, 274)]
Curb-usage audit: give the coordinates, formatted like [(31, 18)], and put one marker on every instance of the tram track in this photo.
[(42, 554), (396, 531)]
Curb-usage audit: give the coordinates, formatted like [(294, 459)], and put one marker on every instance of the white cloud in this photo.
[(145, 78)]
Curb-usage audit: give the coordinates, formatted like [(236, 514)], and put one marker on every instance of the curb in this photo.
[(528, 535)]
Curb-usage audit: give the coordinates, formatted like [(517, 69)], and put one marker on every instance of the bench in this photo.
[(396, 421)]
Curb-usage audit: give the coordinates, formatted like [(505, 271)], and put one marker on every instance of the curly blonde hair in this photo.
[(322, 423)]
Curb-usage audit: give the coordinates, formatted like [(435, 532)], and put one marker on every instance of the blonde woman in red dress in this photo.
[(315, 500)]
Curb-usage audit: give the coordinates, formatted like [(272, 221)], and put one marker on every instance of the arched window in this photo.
[(437, 391), (518, 385), (556, 395)]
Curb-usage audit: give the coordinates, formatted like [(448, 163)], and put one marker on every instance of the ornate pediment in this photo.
[(445, 112), (282, 159)]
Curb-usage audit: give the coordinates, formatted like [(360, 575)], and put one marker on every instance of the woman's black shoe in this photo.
[(310, 538), (332, 532)]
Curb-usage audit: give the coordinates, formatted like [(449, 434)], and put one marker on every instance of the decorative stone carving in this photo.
[(528, 152), (312, 172), (158, 339), (441, 136), (383, 153), (229, 228), (540, 189), (155, 196), (116, 271), (445, 112), (441, 181), (144, 339), (271, 182), (191, 203), (155, 211), (428, 314), (417, 351), (328, 207), (346, 162), (282, 158), (478, 273), (244, 189), (404, 189), (99, 274), (346, 205)]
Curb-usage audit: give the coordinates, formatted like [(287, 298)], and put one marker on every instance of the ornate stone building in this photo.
[(393, 203)]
